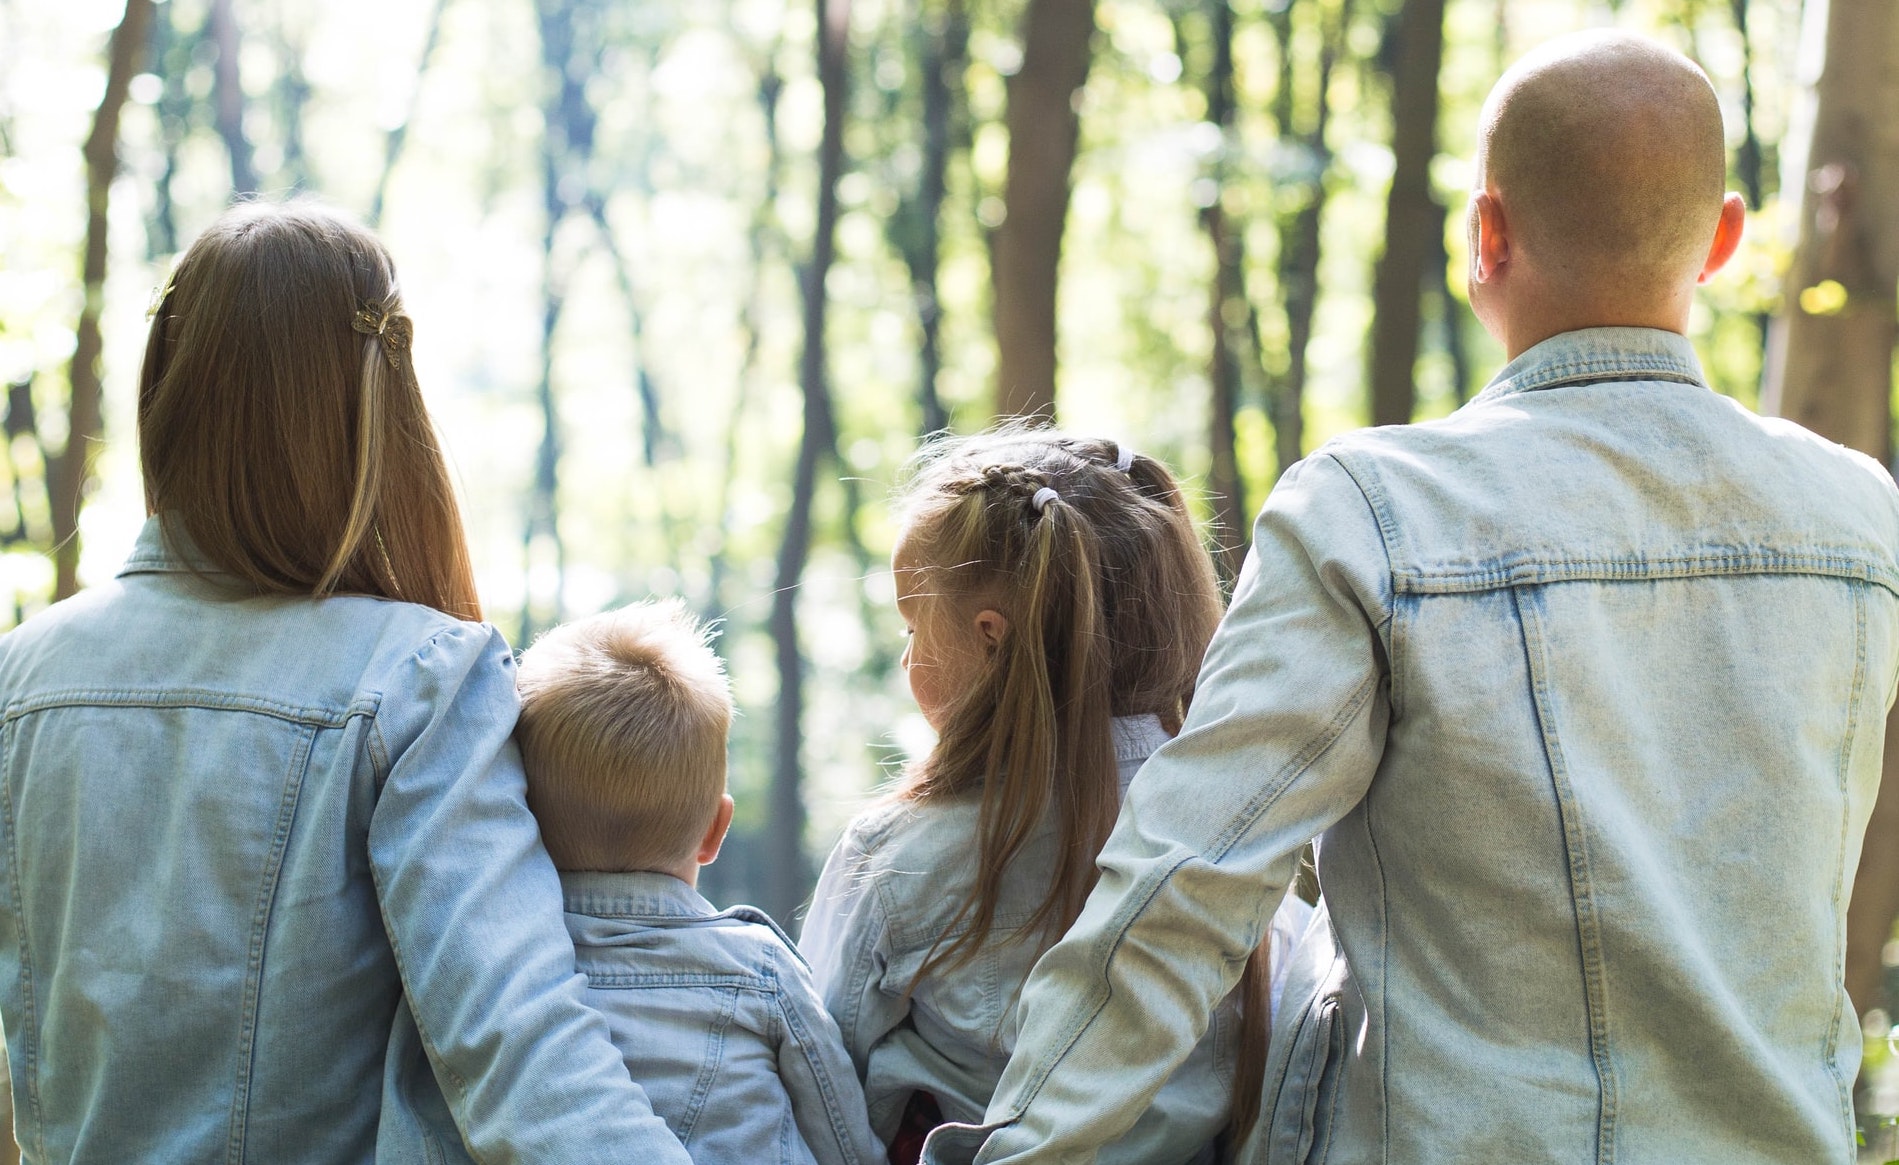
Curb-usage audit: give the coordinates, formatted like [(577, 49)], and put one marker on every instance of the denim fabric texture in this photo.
[(717, 1017), (888, 894), (1585, 687), (235, 831)]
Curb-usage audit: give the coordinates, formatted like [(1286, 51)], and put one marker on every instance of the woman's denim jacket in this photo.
[(888, 895), (1586, 687), (234, 832), (718, 1019)]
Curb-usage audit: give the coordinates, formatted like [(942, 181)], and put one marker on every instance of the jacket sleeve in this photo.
[(472, 908), (1285, 732), (827, 1100), (846, 942)]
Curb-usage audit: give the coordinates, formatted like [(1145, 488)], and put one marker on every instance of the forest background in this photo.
[(691, 278)]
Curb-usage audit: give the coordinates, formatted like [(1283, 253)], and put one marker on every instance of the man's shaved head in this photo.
[(1606, 153)]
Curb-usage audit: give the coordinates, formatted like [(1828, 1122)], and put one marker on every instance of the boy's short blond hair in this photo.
[(624, 718)]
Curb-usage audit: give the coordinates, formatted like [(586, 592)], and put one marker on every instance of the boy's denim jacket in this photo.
[(718, 1020), (1586, 687), (234, 832), (890, 890)]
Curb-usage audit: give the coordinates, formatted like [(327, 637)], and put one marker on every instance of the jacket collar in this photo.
[(1598, 354), (165, 551), (637, 894)]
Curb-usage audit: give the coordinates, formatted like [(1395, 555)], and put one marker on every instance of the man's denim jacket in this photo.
[(889, 893), (717, 1018), (1586, 687), (234, 832)]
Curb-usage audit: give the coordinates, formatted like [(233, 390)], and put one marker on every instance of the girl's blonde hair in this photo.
[(1090, 553), (281, 429)]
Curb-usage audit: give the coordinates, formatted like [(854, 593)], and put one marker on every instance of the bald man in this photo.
[(1583, 689)]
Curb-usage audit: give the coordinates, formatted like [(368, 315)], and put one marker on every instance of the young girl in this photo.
[(1058, 602)]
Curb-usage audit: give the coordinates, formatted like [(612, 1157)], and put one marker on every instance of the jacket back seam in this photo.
[(30, 1038), (260, 929), (1576, 854)]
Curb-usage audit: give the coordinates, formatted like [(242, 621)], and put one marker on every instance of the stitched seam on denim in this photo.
[(801, 1037), (1389, 532), (708, 1067), (186, 698), (1840, 564), (1384, 986), (31, 1036), (1284, 1080), (1581, 890), (1830, 1043), (1250, 813), (621, 980), (260, 928), (1645, 368), (1334, 1058), (422, 1033)]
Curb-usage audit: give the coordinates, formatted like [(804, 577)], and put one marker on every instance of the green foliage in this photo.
[(694, 137)]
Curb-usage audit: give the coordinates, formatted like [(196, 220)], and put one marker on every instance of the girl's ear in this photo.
[(991, 626)]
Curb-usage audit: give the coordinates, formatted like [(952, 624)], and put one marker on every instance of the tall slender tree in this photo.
[(1830, 352), (227, 94), (68, 471), (1411, 212), (1044, 129), (1298, 266), (1228, 310), (788, 871)]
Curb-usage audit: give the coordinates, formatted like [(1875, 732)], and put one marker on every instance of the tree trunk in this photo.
[(1411, 214), (944, 37), (1043, 131), (68, 473), (398, 136), (1299, 233), (227, 95), (789, 875), (1227, 315), (1830, 352)]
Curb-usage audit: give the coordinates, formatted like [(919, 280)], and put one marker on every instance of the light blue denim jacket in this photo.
[(719, 1022), (1586, 687), (233, 832), (890, 891)]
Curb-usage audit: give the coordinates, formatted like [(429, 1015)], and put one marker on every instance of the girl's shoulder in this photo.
[(901, 834)]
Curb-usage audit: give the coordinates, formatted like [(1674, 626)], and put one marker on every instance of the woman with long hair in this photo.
[(270, 872)]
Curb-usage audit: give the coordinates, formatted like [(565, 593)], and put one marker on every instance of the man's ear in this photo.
[(715, 833), (1490, 236), (1727, 236), (991, 626)]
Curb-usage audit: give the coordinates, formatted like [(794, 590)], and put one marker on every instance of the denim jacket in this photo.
[(234, 832), (717, 1018), (1586, 687), (888, 894)]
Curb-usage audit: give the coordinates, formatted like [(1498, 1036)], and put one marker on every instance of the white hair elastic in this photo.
[(1125, 462), (1042, 498)]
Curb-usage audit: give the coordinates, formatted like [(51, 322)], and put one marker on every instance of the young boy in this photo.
[(623, 725)]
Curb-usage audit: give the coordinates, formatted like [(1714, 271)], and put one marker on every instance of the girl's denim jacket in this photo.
[(234, 832), (1586, 688), (887, 896)]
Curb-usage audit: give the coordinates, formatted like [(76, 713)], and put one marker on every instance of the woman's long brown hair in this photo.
[(1111, 599), (287, 446)]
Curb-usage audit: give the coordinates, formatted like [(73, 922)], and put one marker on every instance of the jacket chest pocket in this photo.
[(1299, 1130)]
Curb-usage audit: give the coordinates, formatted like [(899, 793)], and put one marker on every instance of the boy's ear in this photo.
[(715, 833), (991, 626)]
